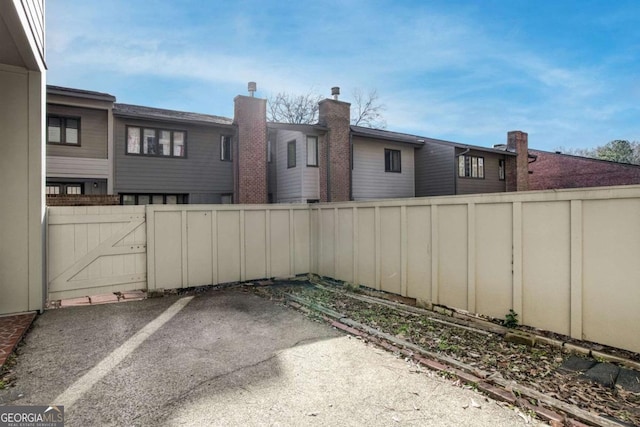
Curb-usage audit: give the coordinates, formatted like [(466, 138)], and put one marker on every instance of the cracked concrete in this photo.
[(231, 358)]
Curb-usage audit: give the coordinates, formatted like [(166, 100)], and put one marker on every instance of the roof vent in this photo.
[(252, 88), (335, 92)]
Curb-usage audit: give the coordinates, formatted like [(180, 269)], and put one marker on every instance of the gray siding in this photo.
[(435, 170), (491, 182), (201, 173), (289, 179), (370, 181), (93, 133), (90, 186)]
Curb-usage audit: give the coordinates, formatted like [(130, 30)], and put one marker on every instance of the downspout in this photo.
[(351, 166), (328, 167)]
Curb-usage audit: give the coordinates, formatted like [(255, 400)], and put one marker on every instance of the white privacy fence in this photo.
[(565, 261), (191, 245)]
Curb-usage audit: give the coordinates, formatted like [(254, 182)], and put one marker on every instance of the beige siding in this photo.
[(369, 179), (93, 133), (21, 171)]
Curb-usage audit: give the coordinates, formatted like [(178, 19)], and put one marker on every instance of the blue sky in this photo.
[(565, 71)]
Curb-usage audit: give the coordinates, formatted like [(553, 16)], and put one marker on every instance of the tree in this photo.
[(366, 110), (618, 150), (296, 109)]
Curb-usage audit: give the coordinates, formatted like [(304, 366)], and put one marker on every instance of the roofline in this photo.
[(585, 158), (386, 135), (80, 93), (421, 140), (297, 126), (170, 119)]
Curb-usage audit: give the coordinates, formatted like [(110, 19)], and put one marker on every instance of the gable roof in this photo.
[(418, 140), (140, 112)]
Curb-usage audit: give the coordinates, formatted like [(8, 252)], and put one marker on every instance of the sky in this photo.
[(566, 72)]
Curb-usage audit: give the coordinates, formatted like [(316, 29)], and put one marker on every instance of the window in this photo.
[(225, 148), (53, 189), (312, 151), (392, 160), (501, 170), (268, 151), (63, 130), (470, 166), (226, 199), (64, 188), (156, 142), (153, 199), (291, 154), (74, 189)]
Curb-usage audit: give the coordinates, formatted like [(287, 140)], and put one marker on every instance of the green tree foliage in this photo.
[(619, 150)]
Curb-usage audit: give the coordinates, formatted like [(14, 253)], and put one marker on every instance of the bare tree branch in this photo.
[(296, 109), (366, 110)]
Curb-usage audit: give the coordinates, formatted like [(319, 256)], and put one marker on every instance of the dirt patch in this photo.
[(535, 367)]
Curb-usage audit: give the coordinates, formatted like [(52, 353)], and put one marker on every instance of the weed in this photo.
[(2, 385), (510, 319)]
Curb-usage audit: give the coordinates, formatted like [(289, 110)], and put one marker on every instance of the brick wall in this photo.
[(250, 157), (553, 170), (518, 142), (82, 200), (336, 116)]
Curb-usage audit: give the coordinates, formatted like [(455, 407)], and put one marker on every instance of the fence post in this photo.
[(151, 248), (435, 255), (355, 243), (214, 247), (576, 269), (292, 245), (404, 243), (471, 257), (517, 259), (184, 249), (243, 261), (378, 280)]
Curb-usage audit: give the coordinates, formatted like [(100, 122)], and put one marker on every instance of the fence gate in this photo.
[(95, 250)]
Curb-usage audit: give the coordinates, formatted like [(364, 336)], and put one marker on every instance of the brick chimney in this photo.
[(518, 168), (250, 155), (335, 153)]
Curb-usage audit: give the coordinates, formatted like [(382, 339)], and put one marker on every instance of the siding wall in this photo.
[(435, 170), (201, 173), (369, 179), (74, 167), (289, 179), (22, 207), (491, 182), (93, 133)]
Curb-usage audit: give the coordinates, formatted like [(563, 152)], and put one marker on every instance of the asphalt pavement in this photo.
[(228, 357)]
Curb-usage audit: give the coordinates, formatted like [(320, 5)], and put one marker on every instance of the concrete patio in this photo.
[(227, 358)]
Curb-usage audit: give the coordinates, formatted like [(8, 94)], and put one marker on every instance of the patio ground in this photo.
[(227, 358)]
